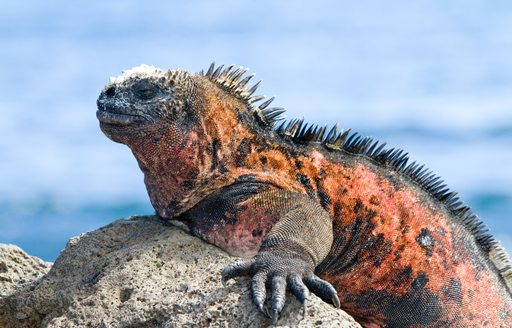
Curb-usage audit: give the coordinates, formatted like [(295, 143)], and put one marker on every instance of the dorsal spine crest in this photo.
[(231, 80)]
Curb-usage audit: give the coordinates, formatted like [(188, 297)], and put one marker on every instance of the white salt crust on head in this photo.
[(140, 71)]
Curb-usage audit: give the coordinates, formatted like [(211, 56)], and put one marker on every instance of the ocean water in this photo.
[(432, 77)]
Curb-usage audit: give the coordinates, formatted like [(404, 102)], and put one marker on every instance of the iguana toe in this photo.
[(241, 267), (323, 289), (299, 290), (278, 296), (259, 291)]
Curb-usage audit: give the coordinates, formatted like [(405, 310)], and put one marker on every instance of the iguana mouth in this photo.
[(107, 116)]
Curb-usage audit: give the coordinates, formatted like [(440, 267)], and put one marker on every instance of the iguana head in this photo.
[(181, 127), (145, 99)]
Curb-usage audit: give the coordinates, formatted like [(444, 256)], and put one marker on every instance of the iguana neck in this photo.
[(171, 164)]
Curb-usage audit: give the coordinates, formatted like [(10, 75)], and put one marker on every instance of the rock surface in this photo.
[(17, 268), (144, 272)]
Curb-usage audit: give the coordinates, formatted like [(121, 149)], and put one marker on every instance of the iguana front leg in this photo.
[(297, 243)]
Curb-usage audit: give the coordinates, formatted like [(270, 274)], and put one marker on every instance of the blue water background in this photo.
[(433, 77)]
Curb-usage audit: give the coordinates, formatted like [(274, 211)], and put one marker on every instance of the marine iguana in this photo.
[(311, 209)]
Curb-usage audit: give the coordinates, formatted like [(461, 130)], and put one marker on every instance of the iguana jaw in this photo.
[(116, 125), (117, 118), (107, 117)]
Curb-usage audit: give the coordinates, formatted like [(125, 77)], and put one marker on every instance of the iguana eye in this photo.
[(145, 90), (111, 91)]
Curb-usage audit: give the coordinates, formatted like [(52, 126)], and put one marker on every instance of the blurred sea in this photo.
[(432, 77)]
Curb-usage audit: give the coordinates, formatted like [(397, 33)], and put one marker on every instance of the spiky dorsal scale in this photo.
[(396, 159), (232, 81)]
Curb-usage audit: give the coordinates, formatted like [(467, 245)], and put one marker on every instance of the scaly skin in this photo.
[(395, 255)]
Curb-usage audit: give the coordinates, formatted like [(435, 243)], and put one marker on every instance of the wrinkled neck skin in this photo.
[(170, 168), (182, 166)]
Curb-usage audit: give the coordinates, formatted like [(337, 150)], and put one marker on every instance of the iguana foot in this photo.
[(280, 270)]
